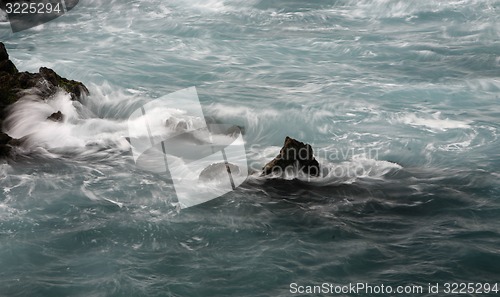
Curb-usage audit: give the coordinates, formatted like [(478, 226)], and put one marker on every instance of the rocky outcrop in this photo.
[(45, 83), (15, 84), (294, 155)]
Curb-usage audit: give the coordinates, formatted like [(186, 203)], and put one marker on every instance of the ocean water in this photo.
[(399, 99)]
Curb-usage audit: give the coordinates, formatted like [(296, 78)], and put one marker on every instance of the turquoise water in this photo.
[(399, 100)]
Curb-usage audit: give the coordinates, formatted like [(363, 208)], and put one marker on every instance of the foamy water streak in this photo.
[(27, 120)]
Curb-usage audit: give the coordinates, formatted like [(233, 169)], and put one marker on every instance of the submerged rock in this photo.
[(44, 84), (56, 117), (294, 154), (218, 171)]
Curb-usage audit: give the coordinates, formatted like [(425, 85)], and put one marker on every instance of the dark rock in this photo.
[(4, 138), (8, 67), (6, 144), (294, 153), (218, 171), (56, 117), (15, 84), (75, 88), (45, 83), (3, 52)]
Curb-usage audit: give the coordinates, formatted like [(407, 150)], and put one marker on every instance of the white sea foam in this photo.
[(399, 8), (81, 127), (28, 119), (433, 122), (359, 167)]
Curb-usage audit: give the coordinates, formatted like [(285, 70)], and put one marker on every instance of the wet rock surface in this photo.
[(294, 154), (44, 84)]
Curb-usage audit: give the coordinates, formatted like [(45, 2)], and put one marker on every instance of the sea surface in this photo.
[(399, 100)]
